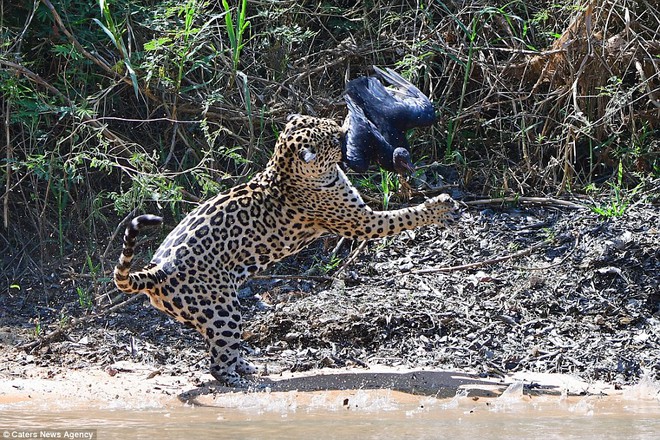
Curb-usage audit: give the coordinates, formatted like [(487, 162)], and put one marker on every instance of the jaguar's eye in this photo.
[(307, 155)]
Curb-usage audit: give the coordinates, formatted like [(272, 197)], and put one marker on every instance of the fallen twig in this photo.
[(350, 259), (292, 277), (550, 266), (521, 253), (535, 200)]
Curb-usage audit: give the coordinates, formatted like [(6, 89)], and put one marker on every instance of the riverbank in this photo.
[(504, 291)]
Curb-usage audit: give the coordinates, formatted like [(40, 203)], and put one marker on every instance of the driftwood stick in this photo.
[(550, 266)]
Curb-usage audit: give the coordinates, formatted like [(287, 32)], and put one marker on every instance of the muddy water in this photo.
[(357, 414)]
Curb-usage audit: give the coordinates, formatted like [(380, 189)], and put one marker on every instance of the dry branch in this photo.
[(518, 254), (110, 136), (530, 200)]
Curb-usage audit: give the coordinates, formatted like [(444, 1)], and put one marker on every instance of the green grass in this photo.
[(618, 200), (116, 31), (329, 266), (37, 327), (236, 30), (84, 298), (385, 184)]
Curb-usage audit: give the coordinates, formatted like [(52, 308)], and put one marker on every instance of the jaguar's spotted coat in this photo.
[(302, 194)]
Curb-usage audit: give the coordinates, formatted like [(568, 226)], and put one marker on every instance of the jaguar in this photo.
[(302, 194)]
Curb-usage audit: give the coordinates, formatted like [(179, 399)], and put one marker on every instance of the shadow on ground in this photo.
[(440, 384)]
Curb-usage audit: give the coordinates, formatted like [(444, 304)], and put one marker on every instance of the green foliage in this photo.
[(116, 34), (127, 106), (389, 185), (64, 320), (181, 51), (619, 198), (325, 267), (236, 30), (37, 327), (84, 298), (159, 189), (385, 184)]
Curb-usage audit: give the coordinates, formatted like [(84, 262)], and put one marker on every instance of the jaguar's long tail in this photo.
[(138, 281)]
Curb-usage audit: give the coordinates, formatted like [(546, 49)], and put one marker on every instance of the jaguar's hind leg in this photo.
[(245, 368), (223, 332), (214, 312)]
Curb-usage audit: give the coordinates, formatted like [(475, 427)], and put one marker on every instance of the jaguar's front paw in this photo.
[(443, 209)]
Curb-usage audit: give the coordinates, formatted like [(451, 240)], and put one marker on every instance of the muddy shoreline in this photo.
[(128, 385)]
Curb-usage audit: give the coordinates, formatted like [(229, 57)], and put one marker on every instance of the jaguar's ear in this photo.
[(292, 117), (307, 155)]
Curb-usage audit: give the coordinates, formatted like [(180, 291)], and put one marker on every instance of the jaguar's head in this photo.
[(310, 146)]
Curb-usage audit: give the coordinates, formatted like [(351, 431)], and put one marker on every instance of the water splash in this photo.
[(456, 400), (369, 401), (646, 389), (259, 403), (513, 392), (585, 406), (511, 397)]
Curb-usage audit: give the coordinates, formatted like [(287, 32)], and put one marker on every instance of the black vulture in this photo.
[(378, 118), (364, 143)]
